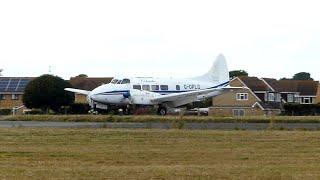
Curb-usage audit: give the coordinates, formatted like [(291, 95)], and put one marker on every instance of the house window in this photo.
[(164, 87), (155, 88), (138, 87), (238, 112), (15, 97), (146, 87), (306, 100), (2, 97), (242, 96), (278, 97), (178, 87), (290, 98), (271, 97)]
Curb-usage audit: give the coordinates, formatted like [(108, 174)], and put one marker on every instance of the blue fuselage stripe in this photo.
[(123, 92)]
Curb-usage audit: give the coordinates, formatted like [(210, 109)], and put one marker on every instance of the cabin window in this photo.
[(238, 112), (125, 81), (146, 87), (15, 97), (164, 87), (178, 87), (138, 87), (2, 97), (155, 88), (242, 96)]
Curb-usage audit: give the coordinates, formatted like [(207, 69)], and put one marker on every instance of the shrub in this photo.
[(302, 109), (79, 108), (35, 112), (5, 111)]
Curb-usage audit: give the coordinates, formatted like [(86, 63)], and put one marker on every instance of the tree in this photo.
[(1, 72), (302, 76), (82, 76), (47, 92), (237, 73)]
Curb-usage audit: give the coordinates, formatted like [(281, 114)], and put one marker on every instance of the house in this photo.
[(254, 99), (296, 91), (88, 84), (12, 90)]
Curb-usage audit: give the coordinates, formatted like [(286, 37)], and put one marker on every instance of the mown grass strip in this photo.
[(170, 119)]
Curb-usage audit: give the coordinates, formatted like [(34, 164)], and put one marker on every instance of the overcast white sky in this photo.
[(166, 38)]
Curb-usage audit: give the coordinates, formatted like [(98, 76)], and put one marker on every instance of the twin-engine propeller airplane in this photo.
[(159, 92)]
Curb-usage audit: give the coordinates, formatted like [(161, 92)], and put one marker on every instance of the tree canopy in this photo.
[(302, 76), (82, 76), (47, 92), (237, 73)]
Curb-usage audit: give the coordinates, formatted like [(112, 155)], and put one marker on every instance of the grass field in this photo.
[(158, 154), (146, 118)]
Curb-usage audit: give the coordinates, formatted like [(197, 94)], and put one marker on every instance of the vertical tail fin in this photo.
[(218, 73)]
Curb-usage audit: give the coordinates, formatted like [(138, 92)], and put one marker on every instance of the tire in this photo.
[(162, 111)]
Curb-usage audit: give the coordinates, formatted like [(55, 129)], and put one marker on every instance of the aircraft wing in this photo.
[(79, 91), (179, 99)]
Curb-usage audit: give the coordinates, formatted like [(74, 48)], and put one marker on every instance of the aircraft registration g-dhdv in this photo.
[(163, 93)]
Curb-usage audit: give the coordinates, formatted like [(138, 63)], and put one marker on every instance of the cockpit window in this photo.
[(125, 81), (119, 82), (114, 81)]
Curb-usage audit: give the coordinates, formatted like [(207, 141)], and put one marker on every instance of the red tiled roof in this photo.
[(254, 83), (304, 87), (88, 83)]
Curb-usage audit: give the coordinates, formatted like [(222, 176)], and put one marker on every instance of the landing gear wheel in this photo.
[(162, 111)]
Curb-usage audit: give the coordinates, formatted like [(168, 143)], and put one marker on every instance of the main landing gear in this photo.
[(162, 111)]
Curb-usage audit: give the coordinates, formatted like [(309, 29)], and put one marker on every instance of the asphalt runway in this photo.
[(154, 125)]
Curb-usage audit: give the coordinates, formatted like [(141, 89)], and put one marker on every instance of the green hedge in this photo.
[(171, 119), (302, 109), (5, 111)]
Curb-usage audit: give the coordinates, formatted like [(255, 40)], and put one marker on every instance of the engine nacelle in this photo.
[(142, 97)]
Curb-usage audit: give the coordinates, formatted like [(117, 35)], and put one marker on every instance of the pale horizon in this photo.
[(273, 39)]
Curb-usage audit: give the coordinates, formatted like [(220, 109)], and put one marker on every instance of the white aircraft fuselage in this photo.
[(163, 92), (120, 89)]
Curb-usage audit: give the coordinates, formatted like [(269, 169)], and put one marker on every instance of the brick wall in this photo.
[(10, 103)]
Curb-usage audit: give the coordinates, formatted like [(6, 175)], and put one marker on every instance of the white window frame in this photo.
[(237, 113), (15, 96), (242, 96), (303, 100), (2, 97), (290, 98), (271, 97)]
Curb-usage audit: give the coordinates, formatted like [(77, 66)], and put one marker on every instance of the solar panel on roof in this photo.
[(13, 84)]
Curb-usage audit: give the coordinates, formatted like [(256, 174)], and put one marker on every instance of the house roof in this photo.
[(254, 83), (88, 84), (304, 87), (14, 84)]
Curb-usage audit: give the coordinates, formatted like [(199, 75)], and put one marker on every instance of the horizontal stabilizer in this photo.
[(78, 91)]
